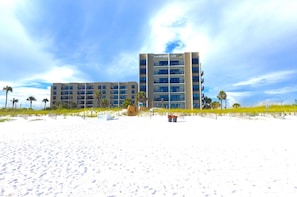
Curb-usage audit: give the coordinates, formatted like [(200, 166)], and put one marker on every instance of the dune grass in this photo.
[(31, 112), (4, 119), (250, 111)]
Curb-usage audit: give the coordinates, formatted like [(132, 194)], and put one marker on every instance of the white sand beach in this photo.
[(149, 156)]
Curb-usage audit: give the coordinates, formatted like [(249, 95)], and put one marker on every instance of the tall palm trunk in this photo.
[(6, 99)]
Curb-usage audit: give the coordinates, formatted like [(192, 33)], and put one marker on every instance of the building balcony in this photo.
[(162, 82)]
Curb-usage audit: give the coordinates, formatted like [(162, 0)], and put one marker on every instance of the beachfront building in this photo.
[(171, 80), (83, 95)]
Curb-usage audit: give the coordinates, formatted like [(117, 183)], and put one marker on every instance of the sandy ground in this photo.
[(148, 156)]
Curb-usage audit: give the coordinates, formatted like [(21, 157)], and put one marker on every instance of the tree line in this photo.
[(103, 103), (14, 101), (222, 96)]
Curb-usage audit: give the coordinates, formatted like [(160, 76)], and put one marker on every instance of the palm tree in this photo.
[(126, 102), (45, 100), (14, 101), (98, 97), (236, 105), (222, 96), (104, 103), (141, 97), (31, 99), (207, 102), (7, 89), (214, 104)]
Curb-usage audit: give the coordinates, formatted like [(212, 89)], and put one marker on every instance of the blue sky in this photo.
[(247, 48)]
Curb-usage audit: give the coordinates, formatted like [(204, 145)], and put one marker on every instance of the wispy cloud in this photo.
[(267, 78), (283, 90)]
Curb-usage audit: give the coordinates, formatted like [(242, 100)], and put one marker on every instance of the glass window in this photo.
[(195, 60), (163, 63), (175, 98), (195, 87), (174, 80), (195, 79), (175, 89), (163, 89), (176, 62), (162, 72), (195, 69), (142, 62), (142, 80), (142, 88), (163, 80), (142, 71), (195, 96)]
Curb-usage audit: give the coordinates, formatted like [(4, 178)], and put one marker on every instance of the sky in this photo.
[(247, 48)]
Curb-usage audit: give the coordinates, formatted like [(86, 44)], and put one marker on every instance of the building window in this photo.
[(142, 62), (162, 80), (195, 60), (195, 87), (175, 89), (133, 86), (142, 88), (195, 79), (195, 69), (163, 63), (176, 62), (64, 88), (195, 97), (142, 71), (174, 80), (162, 72), (142, 80)]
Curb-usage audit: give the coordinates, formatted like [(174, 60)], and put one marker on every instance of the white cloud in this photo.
[(283, 90), (123, 66), (237, 97), (267, 78)]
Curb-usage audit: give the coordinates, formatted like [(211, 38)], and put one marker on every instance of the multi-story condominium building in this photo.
[(171, 80), (82, 95)]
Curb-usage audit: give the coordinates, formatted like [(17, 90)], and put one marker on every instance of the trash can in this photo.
[(174, 118), (169, 118)]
